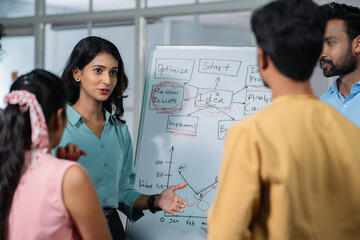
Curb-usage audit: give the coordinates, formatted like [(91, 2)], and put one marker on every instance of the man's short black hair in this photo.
[(349, 14), (291, 33)]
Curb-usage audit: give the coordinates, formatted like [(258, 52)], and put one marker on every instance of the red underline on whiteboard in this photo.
[(180, 130), (182, 134), (212, 188)]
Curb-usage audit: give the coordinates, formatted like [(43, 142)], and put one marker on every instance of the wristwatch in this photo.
[(151, 204)]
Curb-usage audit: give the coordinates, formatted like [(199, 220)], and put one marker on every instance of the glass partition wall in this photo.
[(55, 26)]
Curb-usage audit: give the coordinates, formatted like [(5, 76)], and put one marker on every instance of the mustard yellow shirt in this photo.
[(292, 171)]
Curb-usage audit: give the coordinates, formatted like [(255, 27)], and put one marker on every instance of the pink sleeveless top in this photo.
[(38, 210)]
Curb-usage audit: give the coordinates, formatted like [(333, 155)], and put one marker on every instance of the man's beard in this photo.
[(348, 65)]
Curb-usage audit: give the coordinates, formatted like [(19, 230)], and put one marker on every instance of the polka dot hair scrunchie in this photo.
[(39, 131)]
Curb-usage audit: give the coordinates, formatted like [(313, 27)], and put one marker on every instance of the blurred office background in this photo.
[(42, 33)]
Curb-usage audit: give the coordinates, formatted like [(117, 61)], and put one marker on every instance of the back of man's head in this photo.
[(349, 14), (291, 33)]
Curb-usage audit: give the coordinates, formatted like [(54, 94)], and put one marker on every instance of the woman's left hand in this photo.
[(70, 152), (169, 201)]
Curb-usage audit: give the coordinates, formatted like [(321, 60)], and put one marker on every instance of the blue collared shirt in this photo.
[(109, 160), (350, 107)]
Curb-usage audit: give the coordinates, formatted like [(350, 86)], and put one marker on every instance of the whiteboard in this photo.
[(192, 96)]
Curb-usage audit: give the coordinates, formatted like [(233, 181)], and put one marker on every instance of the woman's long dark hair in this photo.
[(83, 53), (15, 133)]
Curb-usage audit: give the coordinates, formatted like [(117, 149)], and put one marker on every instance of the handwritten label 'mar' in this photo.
[(168, 68), (219, 67)]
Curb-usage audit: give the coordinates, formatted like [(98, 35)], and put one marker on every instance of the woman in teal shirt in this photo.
[(96, 82)]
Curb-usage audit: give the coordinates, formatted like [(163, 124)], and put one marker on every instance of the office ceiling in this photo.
[(223, 19)]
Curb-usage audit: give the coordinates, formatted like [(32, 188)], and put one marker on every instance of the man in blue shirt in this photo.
[(341, 57)]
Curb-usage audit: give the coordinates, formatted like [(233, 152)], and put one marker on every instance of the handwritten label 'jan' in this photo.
[(219, 67), (168, 68)]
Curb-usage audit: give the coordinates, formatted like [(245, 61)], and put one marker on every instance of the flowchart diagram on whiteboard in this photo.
[(193, 95)]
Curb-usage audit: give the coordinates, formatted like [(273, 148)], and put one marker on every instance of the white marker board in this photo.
[(193, 94)]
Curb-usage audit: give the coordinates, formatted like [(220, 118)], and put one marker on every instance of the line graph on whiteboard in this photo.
[(199, 198)]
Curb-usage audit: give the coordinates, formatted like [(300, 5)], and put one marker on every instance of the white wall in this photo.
[(17, 55)]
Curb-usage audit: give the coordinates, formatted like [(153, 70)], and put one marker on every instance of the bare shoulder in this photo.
[(75, 177)]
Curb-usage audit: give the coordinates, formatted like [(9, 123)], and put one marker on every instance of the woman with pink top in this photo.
[(42, 197)]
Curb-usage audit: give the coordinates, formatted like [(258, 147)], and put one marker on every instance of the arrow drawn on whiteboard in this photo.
[(225, 114), (240, 90), (188, 85), (189, 114), (188, 99), (171, 157), (217, 80), (200, 202), (200, 191)]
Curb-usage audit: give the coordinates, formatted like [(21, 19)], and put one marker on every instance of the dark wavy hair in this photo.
[(15, 133), (349, 14), (291, 33), (83, 53)]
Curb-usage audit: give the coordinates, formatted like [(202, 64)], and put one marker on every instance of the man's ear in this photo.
[(262, 59), (356, 44), (76, 74)]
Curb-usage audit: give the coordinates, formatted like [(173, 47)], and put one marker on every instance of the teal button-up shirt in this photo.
[(109, 160)]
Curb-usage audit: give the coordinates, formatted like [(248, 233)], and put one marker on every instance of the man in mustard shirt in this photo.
[(291, 171)]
